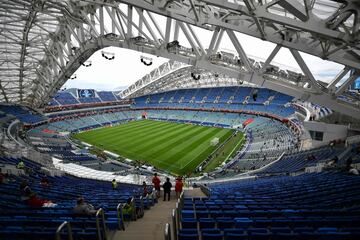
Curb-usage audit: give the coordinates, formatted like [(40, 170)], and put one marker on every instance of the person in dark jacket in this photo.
[(167, 188)]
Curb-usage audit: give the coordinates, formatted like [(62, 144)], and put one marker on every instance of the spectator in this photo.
[(34, 201), (178, 187), (20, 165), (25, 190), (44, 182), (156, 182), (145, 191), (130, 210), (114, 184), (83, 208), (167, 188)]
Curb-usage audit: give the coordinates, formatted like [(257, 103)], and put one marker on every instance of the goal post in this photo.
[(214, 141)]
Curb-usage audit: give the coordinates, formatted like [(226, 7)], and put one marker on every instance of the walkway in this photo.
[(152, 225)]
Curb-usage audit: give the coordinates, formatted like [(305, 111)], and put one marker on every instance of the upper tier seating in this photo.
[(106, 96), (232, 98), (89, 100), (309, 206), (23, 114), (65, 98)]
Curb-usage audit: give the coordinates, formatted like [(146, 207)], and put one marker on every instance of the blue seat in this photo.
[(188, 236), (243, 222), (189, 223), (212, 236), (225, 222), (206, 223), (187, 213)]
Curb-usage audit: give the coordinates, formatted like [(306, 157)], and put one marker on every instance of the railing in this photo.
[(167, 232), (120, 217), (177, 211), (133, 206), (142, 206), (61, 228), (181, 200), (101, 232), (175, 224)]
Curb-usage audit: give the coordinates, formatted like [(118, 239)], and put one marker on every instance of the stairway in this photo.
[(152, 225)]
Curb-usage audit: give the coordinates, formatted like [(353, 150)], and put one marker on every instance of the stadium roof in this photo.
[(44, 42)]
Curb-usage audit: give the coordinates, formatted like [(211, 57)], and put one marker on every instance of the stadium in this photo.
[(249, 108)]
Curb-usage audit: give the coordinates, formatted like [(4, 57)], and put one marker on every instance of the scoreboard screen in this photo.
[(86, 93)]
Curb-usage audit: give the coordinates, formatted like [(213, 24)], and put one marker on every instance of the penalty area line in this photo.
[(241, 140)]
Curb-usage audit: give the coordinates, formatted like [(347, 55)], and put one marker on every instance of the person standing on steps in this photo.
[(167, 188), (178, 187), (156, 182)]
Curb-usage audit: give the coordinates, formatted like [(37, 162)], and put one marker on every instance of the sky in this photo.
[(127, 68)]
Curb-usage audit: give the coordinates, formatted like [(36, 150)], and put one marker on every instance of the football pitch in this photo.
[(174, 147)]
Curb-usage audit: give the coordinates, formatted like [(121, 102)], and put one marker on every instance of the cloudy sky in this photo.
[(126, 68)]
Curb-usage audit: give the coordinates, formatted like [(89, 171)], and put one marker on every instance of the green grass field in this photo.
[(173, 147)]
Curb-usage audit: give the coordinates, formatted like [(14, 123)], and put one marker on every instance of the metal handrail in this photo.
[(174, 223), (120, 217), (61, 227), (167, 232), (133, 204), (182, 199), (142, 206), (177, 210), (100, 214), (153, 198)]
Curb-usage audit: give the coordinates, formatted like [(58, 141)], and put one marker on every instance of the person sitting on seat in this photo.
[(25, 190), (20, 165), (145, 191), (44, 182), (83, 208), (128, 209), (34, 201), (114, 184)]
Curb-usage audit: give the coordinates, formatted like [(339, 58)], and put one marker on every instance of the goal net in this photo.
[(214, 141)]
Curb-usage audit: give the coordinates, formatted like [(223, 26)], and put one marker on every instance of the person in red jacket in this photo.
[(156, 182), (178, 186), (34, 201)]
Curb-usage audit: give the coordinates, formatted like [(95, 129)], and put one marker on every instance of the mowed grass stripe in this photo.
[(165, 147), (164, 137), (187, 153), (150, 154), (117, 135), (198, 155), (133, 130), (170, 158), (152, 135), (137, 139), (174, 147), (99, 133)]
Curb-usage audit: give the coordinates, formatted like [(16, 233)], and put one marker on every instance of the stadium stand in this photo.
[(20, 221), (65, 98), (309, 206), (106, 96), (23, 114), (210, 98)]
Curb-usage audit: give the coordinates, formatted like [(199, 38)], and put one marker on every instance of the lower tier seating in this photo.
[(310, 206)]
